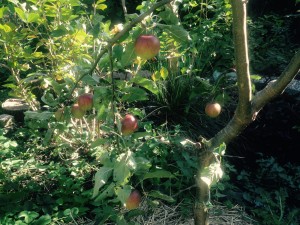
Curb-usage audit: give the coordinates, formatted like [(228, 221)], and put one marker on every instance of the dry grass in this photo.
[(166, 215)]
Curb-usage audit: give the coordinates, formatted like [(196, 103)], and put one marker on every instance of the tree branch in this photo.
[(276, 87), (247, 109), (239, 24), (243, 111), (117, 37)]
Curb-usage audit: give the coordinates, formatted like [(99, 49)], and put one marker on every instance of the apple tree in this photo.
[(68, 74)]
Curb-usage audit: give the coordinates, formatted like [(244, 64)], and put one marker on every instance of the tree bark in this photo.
[(247, 108)]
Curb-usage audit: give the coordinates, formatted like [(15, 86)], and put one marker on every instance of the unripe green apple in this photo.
[(59, 115), (133, 200), (77, 112), (213, 109), (147, 46), (129, 124), (85, 101)]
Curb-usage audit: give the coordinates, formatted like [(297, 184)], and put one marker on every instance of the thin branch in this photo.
[(117, 37), (276, 87)]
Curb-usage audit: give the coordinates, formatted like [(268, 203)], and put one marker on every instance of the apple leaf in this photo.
[(123, 193), (128, 55), (108, 192), (168, 16), (22, 15), (143, 166), (33, 17), (38, 115), (2, 11), (135, 94), (158, 174), (212, 173), (146, 83), (178, 33), (121, 172), (221, 149), (101, 178), (158, 194)]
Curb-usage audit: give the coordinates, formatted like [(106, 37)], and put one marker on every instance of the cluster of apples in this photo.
[(79, 109)]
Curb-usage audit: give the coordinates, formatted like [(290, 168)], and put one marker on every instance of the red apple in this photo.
[(85, 101), (59, 114), (77, 112), (213, 109), (133, 200), (129, 124), (147, 46)]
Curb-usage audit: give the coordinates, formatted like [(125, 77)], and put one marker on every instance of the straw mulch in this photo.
[(167, 215)]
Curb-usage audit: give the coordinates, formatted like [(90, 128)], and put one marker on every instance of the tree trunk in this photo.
[(201, 206)]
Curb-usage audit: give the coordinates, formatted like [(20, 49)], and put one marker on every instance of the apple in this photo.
[(77, 112), (134, 200), (129, 124), (59, 115), (147, 46), (213, 109), (85, 101)]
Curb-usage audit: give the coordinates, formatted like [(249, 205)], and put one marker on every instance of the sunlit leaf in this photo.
[(33, 17), (101, 6), (146, 83), (101, 178), (177, 32), (6, 28), (21, 14), (164, 73)]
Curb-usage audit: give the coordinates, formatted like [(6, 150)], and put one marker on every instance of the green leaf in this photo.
[(142, 166), (2, 11), (33, 17), (22, 15), (43, 220), (61, 31), (38, 115), (178, 33), (212, 173), (164, 73), (221, 149), (123, 193), (134, 94), (121, 173), (108, 192), (101, 6), (28, 216), (158, 174), (6, 28), (101, 178), (128, 55), (168, 16), (158, 194), (146, 83)]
